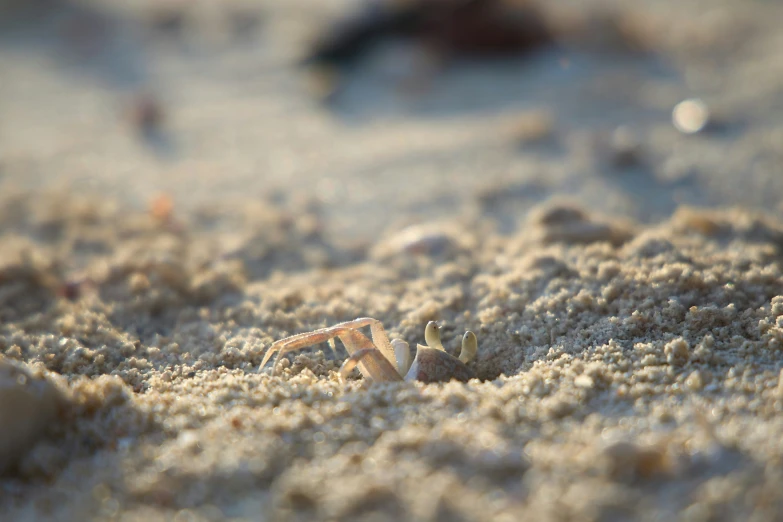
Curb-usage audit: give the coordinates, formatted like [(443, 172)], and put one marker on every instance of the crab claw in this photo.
[(402, 353), (469, 347), (432, 336)]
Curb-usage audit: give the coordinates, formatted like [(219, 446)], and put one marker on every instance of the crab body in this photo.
[(386, 361), (433, 365)]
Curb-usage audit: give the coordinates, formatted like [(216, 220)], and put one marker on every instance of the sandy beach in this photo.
[(177, 192)]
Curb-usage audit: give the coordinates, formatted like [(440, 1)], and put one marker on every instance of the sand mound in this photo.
[(625, 370)]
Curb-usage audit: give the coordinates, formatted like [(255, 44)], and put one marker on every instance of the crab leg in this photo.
[(381, 341), (295, 342), (381, 369), (372, 363), (352, 343), (298, 342)]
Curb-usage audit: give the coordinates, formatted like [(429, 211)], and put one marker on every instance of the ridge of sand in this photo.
[(626, 370)]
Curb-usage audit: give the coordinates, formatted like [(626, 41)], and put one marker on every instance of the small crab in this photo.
[(381, 360)]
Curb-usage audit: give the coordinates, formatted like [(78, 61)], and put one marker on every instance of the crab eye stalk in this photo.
[(469, 347), (432, 336)]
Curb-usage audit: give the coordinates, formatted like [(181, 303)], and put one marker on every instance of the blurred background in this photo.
[(374, 115)]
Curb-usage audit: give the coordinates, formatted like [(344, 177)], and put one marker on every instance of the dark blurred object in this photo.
[(244, 22), (604, 30), (73, 289), (145, 114), (168, 19), (70, 290), (625, 148), (450, 27)]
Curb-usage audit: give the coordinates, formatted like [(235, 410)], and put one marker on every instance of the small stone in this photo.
[(532, 127), (560, 221), (138, 283), (626, 460), (584, 381), (161, 208), (429, 240), (690, 116), (29, 401), (677, 352), (695, 382)]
